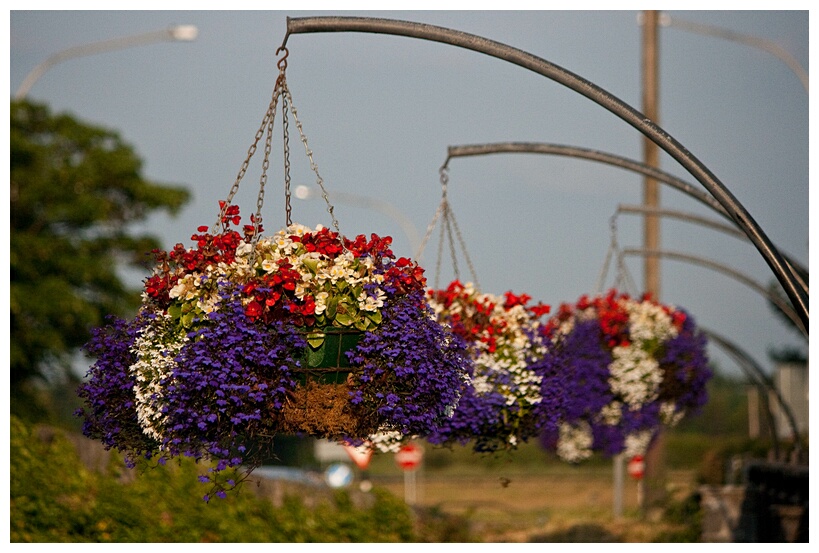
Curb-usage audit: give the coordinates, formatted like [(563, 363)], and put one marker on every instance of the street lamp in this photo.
[(769, 46), (177, 33), (304, 192)]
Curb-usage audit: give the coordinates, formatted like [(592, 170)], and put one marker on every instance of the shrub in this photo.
[(55, 498)]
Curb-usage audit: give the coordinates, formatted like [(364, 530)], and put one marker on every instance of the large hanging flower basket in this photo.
[(631, 366), (504, 404), (243, 337), (302, 332)]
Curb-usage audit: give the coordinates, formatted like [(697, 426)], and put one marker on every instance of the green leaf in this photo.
[(315, 339), (187, 320), (332, 307), (311, 264), (375, 317), (343, 319), (175, 311)]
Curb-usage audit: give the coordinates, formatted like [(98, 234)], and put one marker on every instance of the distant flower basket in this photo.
[(243, 337), (504, 403), (631, 366)]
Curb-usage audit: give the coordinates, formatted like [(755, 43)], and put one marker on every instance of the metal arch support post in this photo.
[(752, 369), (469, 150), (591, 91), (697, 260), (755, 374)]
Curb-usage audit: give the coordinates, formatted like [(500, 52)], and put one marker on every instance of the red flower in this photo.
[(253, 310)]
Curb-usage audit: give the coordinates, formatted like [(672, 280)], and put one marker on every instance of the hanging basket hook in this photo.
[(282, 63)]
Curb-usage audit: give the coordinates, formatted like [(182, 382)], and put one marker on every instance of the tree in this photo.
[(75, 191)]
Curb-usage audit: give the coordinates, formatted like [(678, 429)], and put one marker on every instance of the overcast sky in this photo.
[(379, 113)]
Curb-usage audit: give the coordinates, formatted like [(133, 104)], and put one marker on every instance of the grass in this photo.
[(528, 496)]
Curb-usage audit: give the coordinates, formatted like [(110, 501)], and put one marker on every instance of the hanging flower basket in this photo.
[(631, 367), (505, 404), (302, 333), (243, 337)]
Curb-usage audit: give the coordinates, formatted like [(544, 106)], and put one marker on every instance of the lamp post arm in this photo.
[(591, 91), (177, 33), (757, 42)]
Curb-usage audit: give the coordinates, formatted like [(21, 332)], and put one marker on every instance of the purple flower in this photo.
[(585, 355)]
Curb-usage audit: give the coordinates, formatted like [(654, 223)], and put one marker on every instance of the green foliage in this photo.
[(75, 189), (686, 516), (725, 413), (54, 498)]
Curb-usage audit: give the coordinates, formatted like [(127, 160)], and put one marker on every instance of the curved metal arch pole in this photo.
[(470, 150), (754, 373), (710, 223), (591, 91), (697, 260), (753, 369)]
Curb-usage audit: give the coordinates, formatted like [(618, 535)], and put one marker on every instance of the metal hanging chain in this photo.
[(623, 280), (439, 256), (286, 141), (448, 223), (267, 121), (257, 220), (438, 212), (286, 94), (463, 249)]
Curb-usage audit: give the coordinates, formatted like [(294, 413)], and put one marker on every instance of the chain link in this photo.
[(313, 166), (286, 141), (266, 129), (448, 223), (266, 121)]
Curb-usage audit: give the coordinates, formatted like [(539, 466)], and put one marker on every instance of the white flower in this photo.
[(612, 413), (635, 375), (371, 303), (574, 442), (155, 352), (387, 441), (244, 249), (669, 414)]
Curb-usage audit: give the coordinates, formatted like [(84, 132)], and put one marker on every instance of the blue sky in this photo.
[(379, 113)]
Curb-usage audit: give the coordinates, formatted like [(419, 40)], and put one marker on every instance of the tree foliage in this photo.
[(76, 190)]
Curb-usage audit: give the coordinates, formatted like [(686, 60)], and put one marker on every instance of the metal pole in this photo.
[(547, 148), (651, 153), (752, 369), (655, 477), (591, 91), (176, 33), (619, 467)]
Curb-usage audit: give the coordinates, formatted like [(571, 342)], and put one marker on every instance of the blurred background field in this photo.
[(66, 488)]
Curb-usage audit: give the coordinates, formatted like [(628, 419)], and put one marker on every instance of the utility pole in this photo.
[(655, 476)]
